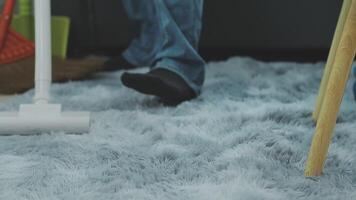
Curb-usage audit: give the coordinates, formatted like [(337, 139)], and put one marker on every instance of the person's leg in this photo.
[(169, 45), (181, 22), (144, 47), (147, 44)]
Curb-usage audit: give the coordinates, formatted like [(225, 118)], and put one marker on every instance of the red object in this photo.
[(13, 46)]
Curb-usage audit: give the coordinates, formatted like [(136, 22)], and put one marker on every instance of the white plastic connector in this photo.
[(43, 118)]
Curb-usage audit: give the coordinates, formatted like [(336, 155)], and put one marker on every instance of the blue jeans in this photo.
[(169, 37)]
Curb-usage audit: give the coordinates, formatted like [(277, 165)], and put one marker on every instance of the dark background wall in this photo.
[(270, 30)]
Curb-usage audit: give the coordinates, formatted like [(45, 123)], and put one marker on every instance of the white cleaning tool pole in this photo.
[(41, 116), (43, 75)]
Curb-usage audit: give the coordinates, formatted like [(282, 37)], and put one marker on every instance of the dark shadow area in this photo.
[(267, 30)]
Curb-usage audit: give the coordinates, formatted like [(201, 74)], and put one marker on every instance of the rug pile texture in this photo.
[(246, 137)]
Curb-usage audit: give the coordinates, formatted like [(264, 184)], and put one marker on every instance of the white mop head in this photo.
[(43, 118)]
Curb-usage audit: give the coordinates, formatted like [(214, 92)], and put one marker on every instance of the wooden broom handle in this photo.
[(5, 20), (341, 68)]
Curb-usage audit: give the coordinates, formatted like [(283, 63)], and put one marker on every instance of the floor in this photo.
[(246, 137), (4, 97)]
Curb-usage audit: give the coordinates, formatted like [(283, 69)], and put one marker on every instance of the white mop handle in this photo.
[(43, 74)]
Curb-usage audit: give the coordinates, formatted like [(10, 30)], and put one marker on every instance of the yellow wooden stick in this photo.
[(331, 57), (333, 96)]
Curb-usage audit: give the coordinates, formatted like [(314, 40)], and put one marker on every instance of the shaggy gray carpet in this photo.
[(246, 137)]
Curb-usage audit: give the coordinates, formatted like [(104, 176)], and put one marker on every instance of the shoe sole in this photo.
[(150, 85)]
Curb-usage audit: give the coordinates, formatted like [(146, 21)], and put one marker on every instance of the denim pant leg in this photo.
[(169, 37), (143, 49)]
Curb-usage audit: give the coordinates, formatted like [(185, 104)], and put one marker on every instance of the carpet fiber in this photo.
[(246, 137)]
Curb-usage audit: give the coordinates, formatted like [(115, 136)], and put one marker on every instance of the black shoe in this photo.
[(165, 84), (117, 63)]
